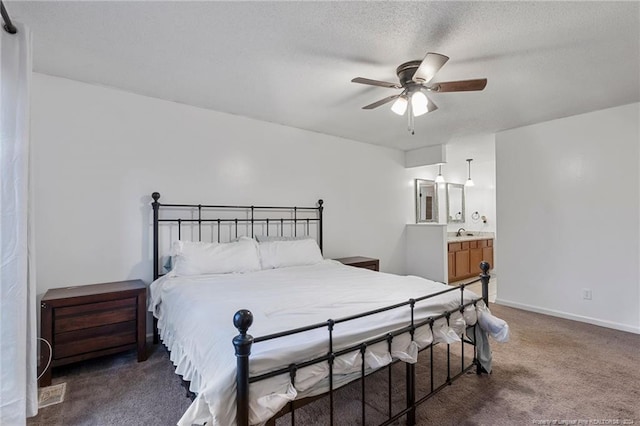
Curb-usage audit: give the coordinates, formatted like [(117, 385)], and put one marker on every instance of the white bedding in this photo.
[(195, 322)]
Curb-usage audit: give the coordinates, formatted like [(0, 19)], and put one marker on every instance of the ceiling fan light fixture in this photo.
[(419, 104), (400, 105)]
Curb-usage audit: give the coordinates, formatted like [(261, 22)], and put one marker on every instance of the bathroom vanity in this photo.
[(465, 254), (434, 253)]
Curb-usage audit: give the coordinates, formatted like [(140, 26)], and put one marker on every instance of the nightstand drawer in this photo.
[(93, 315), (94, 339)]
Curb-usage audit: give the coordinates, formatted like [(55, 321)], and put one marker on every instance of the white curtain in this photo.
[(18, 387)]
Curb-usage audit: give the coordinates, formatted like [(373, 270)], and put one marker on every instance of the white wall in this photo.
[(427, 155), (427, 251), (568, 202), (99, 154)]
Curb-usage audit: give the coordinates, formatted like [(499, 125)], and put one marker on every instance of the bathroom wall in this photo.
[(482, 196)]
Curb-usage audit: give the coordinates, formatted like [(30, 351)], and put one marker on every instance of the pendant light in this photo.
[(469, 182), (439, 178)]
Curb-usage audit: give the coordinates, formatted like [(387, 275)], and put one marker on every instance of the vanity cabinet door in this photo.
[(487, 255), (476, 256), (452, 266), (462, 263)]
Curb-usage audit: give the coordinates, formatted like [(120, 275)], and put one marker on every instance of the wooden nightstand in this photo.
[(93, 320), (361, 262)]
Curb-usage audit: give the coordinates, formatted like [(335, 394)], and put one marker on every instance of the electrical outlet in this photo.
[(586, 294)]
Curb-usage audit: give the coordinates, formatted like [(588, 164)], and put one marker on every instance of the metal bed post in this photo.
[(411, 375), (156, 206), (432, 380), (330, 324), (484, 277), (252, 216), (448, 353), (363, 350), (242, 320), (389, 390), (199, 222), (320, 209), (156, 260)]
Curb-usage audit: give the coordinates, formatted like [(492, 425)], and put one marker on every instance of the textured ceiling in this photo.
[(292, 62)]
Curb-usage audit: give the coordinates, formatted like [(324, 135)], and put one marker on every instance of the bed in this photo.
[(375, 320)]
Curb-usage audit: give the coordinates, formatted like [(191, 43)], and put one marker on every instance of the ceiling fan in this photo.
[(415, 78)]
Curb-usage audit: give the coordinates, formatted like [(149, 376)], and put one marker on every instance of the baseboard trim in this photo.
[(566, 315)]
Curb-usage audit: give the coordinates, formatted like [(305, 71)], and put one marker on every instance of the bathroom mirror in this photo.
[(455, 203), (426, 201)]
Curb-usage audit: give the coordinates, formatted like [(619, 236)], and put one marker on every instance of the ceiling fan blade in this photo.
[(429, 66), (379, 83), (381, 102), (460, 86)]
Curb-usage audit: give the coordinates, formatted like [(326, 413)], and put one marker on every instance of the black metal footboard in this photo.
[(243, 319)]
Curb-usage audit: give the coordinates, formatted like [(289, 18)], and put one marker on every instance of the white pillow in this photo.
[(195, 258), (280, 254)]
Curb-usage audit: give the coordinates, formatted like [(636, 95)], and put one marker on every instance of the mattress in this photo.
[(195, 323)]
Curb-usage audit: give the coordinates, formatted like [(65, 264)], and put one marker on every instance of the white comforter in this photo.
[(195, 321)]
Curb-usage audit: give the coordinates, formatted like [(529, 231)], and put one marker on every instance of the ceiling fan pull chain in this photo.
[(410, 117)]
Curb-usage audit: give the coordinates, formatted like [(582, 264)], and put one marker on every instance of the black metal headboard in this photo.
[(234, 221)]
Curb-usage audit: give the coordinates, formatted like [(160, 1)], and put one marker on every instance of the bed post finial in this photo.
[(242, 320), (484, 277), (155, 196)]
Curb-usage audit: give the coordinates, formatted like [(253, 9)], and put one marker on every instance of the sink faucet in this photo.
[(460, 231)]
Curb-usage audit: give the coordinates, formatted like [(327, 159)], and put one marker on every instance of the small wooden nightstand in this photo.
[(93, 320), (361, 262)]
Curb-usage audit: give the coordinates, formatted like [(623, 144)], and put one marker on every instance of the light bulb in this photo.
[(419, 104), (469, 182), (400, 105)]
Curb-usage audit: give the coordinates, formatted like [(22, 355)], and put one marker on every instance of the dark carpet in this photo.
[(553, 371)]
